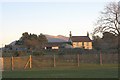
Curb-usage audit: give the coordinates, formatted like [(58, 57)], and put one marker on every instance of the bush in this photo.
[(16, 54), (19, 53), (39, 53)]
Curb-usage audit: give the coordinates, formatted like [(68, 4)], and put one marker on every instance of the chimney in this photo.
[(70, 35), (87, 34)]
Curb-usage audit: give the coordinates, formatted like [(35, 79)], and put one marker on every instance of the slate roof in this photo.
[(53, 44), (80, 39)]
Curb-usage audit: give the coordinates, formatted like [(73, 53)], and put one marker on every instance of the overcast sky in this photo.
[(48, 17)]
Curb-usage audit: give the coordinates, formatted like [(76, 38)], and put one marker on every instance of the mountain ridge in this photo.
[(51, 38), (58, 38)]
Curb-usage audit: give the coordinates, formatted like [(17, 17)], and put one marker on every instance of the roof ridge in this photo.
[(80, 38)]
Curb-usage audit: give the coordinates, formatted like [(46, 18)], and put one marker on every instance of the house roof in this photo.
[(80, 39), (53, 44)]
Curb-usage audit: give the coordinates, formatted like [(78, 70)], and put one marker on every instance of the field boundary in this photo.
[(29, 62)]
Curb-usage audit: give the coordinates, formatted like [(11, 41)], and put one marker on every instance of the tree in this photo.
[(107, 43), (43, 40), (97, 42), (108, 36), (25, 35), (108, 21), (32, 41)]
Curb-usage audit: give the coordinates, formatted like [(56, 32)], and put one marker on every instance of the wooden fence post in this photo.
[(12, 63), (54, 61), (101, 58), (78, 59), (30, 61), (2, 64)]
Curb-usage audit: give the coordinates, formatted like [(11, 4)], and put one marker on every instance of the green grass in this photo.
[(84, 71)]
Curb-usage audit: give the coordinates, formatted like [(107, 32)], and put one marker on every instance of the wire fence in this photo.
[(67, 60)]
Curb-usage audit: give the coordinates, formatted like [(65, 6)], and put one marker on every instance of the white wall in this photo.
[(56, 47)]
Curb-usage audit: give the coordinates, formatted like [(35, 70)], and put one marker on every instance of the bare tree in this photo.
[(119, 13), (108, 21)]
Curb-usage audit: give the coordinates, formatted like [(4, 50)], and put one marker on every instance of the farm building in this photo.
[(73, 42), (81, 41), (58, 45)]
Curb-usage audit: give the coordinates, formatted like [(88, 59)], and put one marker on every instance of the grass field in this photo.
[(84, 71)]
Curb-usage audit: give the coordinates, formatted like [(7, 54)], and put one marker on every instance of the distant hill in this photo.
[(51, 38), (12, 43), (59, 38)]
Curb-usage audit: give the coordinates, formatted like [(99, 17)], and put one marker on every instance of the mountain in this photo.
[(59, 38), (12, 43), (51, 38)]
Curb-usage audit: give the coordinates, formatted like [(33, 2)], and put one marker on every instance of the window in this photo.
[(87, 43), (77, 44)]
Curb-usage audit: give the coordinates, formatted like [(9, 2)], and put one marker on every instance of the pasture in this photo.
[(83, 71), (62, 66)]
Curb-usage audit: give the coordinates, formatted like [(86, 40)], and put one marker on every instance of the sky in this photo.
[(53, 17)]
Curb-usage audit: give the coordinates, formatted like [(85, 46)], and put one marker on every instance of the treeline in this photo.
[(29, 42), (108, 42), (34, 44), (32, 41)]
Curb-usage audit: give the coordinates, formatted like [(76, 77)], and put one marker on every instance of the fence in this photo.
[(1, 64), (36, 62)]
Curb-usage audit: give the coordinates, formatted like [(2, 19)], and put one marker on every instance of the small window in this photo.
[(77, 44), (87, 43)]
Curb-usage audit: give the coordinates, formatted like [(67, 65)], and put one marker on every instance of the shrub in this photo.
[(39, 53), (16, 54)]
